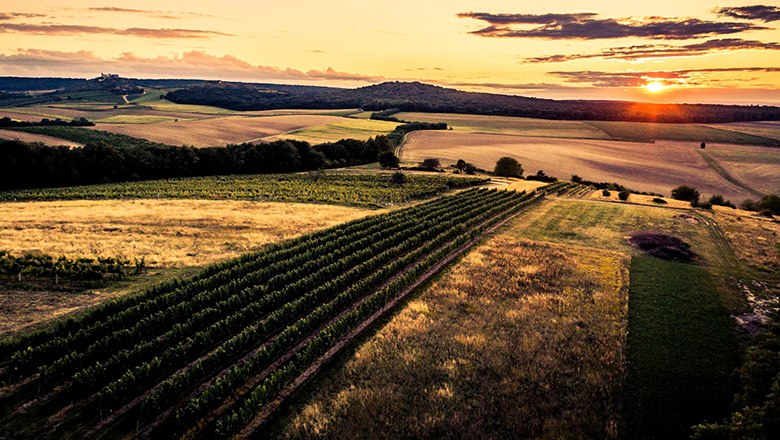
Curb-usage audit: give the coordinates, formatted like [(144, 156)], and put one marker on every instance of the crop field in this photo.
[(34, 137), (693, 133), (656, 167), (524, 337), (758, 166), (509, 125), (345, 128), (767, 129), (214, 353), (353, 189), (218, 131)]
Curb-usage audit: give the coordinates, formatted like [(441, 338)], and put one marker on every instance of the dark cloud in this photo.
[(588, 27), (639, 78), (63, 29), (14, 15), (662, 50), (757, 12)]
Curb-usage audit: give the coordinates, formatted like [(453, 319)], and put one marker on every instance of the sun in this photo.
[(655, 86)]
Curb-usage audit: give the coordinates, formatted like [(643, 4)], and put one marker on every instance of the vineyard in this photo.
[(80, 269), (370, 190), (214, 355)]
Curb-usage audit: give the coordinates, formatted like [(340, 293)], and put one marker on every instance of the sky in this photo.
[(657, 51)]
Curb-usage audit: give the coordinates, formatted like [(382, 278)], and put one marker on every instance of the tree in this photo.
[(461, 164), (686, 193), (623, 195), (431, 163), (508, 167), (606, 193), (770, 202), (398, 178), (703, 145), (388, 159)]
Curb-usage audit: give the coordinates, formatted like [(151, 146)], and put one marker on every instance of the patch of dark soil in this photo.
[(662, 246)]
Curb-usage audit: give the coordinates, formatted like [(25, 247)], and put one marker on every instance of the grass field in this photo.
[(760, 167), (353, 189), (767, 129), (345, 128), (509, 125), (518, 340), (682, 350), (34, 137)]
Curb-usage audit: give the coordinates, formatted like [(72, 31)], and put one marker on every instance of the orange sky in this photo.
[(690, 51)]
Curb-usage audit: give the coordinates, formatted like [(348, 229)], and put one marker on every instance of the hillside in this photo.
[(415, 96)]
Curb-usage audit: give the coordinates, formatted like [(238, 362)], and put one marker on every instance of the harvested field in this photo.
[(756, 166), (218, 131), (767, 129), (519, 339), (693, 133), (168, 233), (509, 125), (344, 128), (34, 137), (657, 167)]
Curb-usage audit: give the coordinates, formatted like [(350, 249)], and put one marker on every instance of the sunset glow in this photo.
[(655, 86), (556, 49)]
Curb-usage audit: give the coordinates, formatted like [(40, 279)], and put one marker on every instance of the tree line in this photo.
[(108, 158)]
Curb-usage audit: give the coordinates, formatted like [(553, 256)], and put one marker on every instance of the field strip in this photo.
[(726, 175), (269, 409)]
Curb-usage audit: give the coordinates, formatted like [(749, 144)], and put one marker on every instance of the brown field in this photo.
[(769, 129), (509, 125), (656, 167), (33, 137), (168, 233), (218, 131), (757, 166), (518, 340)]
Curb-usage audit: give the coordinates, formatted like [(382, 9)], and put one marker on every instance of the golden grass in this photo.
[(34, 137), (345, 128), (755, 240), (657, 167), (518, 340), (168, 233)]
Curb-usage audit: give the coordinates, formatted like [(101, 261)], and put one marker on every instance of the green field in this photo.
[(694, 133), (348, 129), (682, 350), (369, 190)]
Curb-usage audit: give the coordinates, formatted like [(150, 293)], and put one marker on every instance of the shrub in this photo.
[(659, 200), (765, 213), (606, 193), (686, 193), (508, 167), (542, 177), (398, 178), (705, 205), (749, 205), (770, 202), (576, 179), (388, 159), (717, 200), (469, 169), (431, 163), (623, 195), (461, 164)]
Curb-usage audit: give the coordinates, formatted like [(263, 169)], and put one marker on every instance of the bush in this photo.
[(576, 179), (623, 195), (686, 193), (388, 159), (542, 177), (770, 202), (703, 205), (660, 201), (431, 164), (508, 167), (765, 213), (606, 193), (749, 205), (398, 178), (469, 169)]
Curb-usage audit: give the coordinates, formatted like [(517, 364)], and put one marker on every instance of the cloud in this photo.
[(587, 26), (65, 29), (639, 78), (757, 12), (647, 51), (14, 15), (154, 13), (191, 64)]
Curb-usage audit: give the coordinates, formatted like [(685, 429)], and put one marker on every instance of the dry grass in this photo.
[(168, 233), (34, 137), (344, 128), (755, 240), (519, 340), (657, 167), (508, 125), (218, 131), (758, 167)]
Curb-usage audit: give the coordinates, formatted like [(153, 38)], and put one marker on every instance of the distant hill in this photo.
[(415, 96)]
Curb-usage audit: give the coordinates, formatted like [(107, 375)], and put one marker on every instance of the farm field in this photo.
[(345, 128), (523, 337), (768, 129), (756, 165), (656, 167), (229, 346), (34, 137), (509, 125), (341, 188), (693, 133)]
